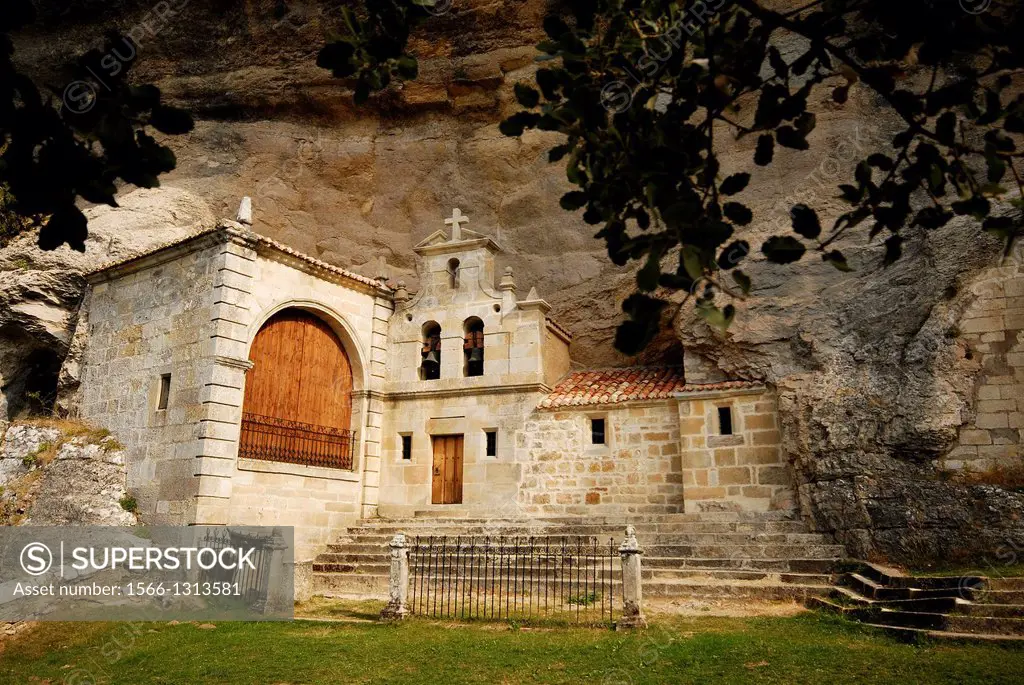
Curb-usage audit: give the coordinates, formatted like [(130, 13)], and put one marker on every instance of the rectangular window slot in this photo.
[(165, 392), (492, 443), (725, 420), (597, 432), (407, 447)]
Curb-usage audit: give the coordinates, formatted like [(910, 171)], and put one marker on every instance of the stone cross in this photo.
[(456, 221)]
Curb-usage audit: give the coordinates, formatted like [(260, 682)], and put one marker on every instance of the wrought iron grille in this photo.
[(253, 584), (271, 439), (514, 578)]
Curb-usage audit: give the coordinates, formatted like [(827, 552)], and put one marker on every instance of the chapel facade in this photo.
[(251, 384)]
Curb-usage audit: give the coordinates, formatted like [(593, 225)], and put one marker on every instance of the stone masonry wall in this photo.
[(316, 501), (745, 471), (637, 471), (992, 327), (155, 321)]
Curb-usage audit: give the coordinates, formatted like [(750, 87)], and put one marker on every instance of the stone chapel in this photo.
[(252, 384)]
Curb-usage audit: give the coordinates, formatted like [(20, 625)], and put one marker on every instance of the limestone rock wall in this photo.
[(64, 475), (40, 292), (875, 384)]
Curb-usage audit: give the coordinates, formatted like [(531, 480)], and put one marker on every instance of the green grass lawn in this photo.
[(807, 648)]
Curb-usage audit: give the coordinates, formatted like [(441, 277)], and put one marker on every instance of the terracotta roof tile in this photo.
[(613, 386)]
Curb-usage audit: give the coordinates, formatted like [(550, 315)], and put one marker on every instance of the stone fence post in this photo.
[(398, 581), (632, 592)]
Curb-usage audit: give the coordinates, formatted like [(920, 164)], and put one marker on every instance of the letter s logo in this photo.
[(36, 559)]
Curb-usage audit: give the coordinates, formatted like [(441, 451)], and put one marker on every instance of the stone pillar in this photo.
[(398, 582), (632, 593)]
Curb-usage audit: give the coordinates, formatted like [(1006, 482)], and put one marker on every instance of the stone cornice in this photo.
[(461, 392)]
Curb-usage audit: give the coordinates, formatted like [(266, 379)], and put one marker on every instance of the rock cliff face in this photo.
[(874, 378)]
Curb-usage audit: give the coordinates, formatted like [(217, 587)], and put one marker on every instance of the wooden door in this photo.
[(446, 484), (300, 372)]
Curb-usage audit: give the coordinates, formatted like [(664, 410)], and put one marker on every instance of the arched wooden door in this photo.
[(298, 395)]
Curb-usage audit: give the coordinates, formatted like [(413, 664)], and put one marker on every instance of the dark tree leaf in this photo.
[(573, 200), (171, 121), (733, 254), (893, 249), (735, 183), (783, 249), (791, 138), (527, 96), (742, 280), (738, 213), (836, 259), (805, 221), (765, 150)]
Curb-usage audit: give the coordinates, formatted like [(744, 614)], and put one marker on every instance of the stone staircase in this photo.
[(769, 556), (957, 607)]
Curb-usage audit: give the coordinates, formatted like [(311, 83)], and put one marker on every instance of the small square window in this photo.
[(407, 447), (725, 420), (492, 443), (165, 392), (597, 436)]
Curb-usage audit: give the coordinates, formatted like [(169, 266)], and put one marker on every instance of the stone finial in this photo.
[(456, 221), (532, 295), (507, 281), (401, 293), (630, 544), (244, 215)]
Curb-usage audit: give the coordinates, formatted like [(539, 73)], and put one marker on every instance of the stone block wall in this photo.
[(147, 323), (745, 471), (992, 327), (489, 483), (638, 470), (316, 501)]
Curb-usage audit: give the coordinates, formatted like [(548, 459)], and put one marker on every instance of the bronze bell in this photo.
[(431, 359), (476, 354)]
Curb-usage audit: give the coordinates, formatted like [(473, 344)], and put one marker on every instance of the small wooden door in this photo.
[(446, 484)]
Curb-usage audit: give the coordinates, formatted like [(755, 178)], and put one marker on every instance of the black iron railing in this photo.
[(252, 581), (271, 439), (514, 578)]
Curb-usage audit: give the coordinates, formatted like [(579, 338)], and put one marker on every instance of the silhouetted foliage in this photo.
[(646, 92), (78, 141)]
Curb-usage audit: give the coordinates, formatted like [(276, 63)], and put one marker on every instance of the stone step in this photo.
[(376, 586), (996, 583), (910, 633), (461, 514), (953, 623), (755, 551), (356, 562), (991, 610), (382, 540), (578, 527)]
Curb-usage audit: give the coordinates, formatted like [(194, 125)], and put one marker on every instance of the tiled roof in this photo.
[(613, 386), (252, 237)]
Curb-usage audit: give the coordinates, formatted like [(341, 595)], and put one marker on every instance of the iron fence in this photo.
[(253, 583), (272, 439), (514, 578)]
